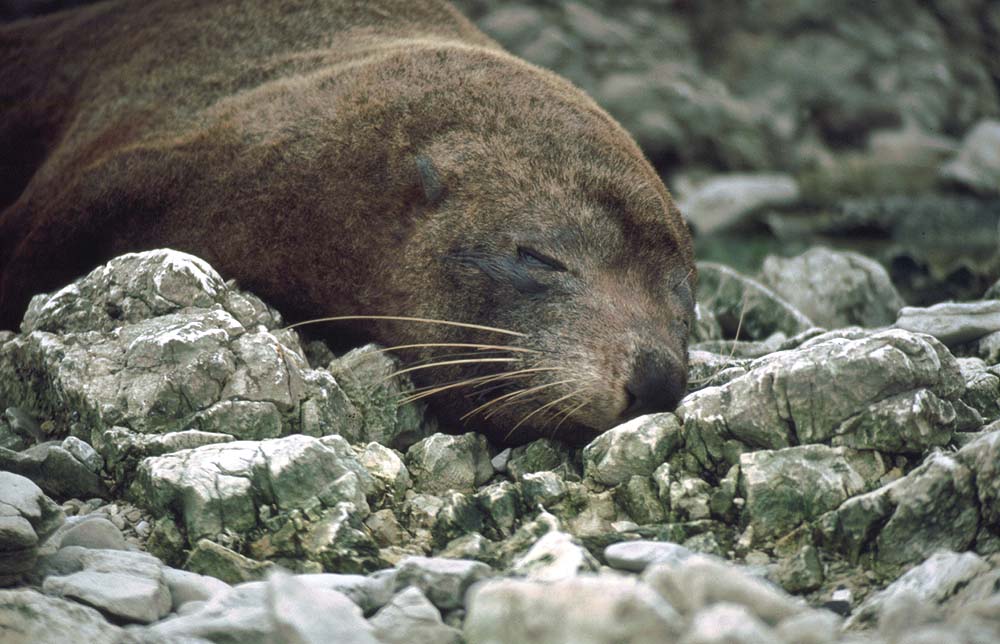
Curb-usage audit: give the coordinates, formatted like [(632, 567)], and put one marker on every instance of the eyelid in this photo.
[(551, 263)]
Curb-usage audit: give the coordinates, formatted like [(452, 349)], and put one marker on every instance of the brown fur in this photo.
[(342, 157)]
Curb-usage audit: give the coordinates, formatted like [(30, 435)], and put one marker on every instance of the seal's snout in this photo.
[(657, 383)]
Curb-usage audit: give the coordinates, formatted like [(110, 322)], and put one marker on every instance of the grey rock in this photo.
[(636, 556), (19, 496), (214, 560), (542, 455), (236, 616), (690, 498), (801, 572), (697, 582), (155, 342), (639, 499), (635, 448), (502, 506), (740, 302), (557, 556), (785, 488), (28, 616), (443, 463), (811, 627), (977, 165), (443, 581), (933, 581), (805, 395), (542, 488), (987, 348), (409, 618), (186, 586), (907, 423), (55, 470), (214, 486), (337, 540), (953, 322), (834, 288), (314, 616), (121, 595), (585, 609), (366, 374), (726, 623), (96, 532), (387, 469), (370, 592), (935, 506), (720, 201), (24, 424), (83, 453), (982, 388)]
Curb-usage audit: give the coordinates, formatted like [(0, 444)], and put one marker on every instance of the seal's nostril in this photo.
[(657, 384)]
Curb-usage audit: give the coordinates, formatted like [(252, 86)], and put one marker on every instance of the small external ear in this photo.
[(429, 181)]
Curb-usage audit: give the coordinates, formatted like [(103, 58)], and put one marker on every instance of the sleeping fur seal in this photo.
[(340, 157)]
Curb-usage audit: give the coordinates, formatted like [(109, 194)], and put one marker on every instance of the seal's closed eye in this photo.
[(534, 258)]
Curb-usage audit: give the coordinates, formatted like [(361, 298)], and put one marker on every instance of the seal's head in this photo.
[(557, 229)]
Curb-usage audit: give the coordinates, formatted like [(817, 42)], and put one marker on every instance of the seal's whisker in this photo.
[(446, 363), (542, 408), (513, 395), (469, 345), (478, 380), (521, 396), (402, 318), (570, 413)]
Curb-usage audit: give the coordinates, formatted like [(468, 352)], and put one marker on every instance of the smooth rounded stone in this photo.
[(977, 165), (811, 627), (96, 532), (722, 200), (785, 488), (211, 559), (188, 587), (443, 581), (557, 556), (55, 470), (443, 463), (27, 616), (586, 609), (370, 592), (725, 623), (834, 288), (410, 618), (310, 615), (84, 453), (387, 469), (953, 323), (121, 595), (738, 301), (700, 581), (813, 389), (16, 534), (932, 582), (635, 448), (636, 556), (19, 496)]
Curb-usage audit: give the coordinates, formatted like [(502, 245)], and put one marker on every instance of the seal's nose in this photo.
[(658, 383)]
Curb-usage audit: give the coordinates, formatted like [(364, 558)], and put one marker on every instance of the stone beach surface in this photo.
[(228, 489), (177, 467)]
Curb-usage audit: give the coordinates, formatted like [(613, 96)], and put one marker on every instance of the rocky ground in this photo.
[(177, 467)]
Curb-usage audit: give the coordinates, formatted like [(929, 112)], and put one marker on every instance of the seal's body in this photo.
[(340, 157)]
